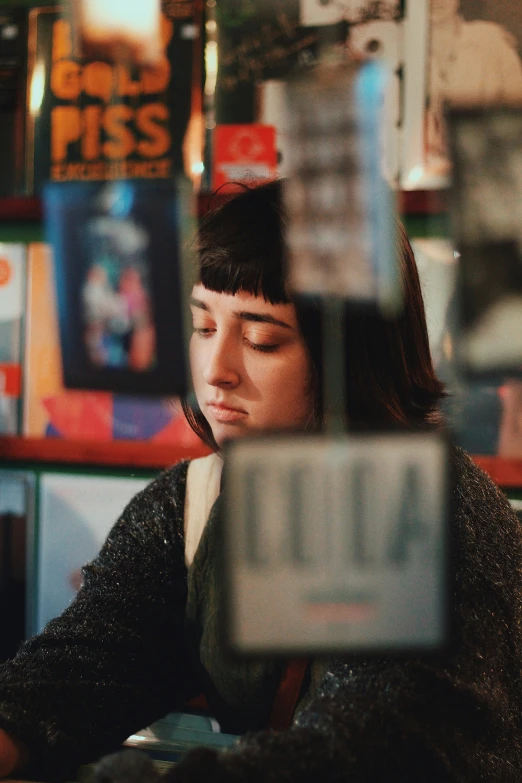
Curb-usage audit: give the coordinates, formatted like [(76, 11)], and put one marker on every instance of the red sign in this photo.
[(10, 380), (244, 153)]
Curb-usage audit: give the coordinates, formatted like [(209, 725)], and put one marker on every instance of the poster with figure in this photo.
[(475, 49), (52, 411), (121, 313)]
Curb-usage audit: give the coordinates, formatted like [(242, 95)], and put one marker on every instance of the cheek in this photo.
[(302, 391), (288, 390)]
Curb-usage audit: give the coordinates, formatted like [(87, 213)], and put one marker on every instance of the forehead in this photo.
[(231, 304)]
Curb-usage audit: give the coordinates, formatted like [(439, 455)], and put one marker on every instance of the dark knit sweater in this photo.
[(122, 656)]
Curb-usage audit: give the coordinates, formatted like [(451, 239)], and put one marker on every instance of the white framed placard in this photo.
[(336, 544), (486, 217)]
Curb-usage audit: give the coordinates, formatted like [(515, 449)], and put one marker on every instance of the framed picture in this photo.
[(76, 512), (487, 218), (52, 411), (120, 249), (471, 51)]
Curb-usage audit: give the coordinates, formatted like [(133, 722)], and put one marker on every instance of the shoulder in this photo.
[(158, 509), (488, 34), (167, 488), (486, 532), (473, 489)]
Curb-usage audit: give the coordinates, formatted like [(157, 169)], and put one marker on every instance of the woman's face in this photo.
[(250, 365)]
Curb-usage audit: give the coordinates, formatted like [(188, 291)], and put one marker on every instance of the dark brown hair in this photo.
[(390, 380)]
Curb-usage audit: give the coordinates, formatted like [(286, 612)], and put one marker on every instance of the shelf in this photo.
[(138, 454), (20, 208), (506, 472), (118, 453), (423, 202), (29, 208)]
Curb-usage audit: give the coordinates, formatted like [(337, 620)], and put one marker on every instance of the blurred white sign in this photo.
[(336, 544), (324, 12), (340, 230)]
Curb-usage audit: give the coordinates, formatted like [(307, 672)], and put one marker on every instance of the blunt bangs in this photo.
[(240, 246)]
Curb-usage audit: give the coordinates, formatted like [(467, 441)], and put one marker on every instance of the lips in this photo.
[(224, 413)]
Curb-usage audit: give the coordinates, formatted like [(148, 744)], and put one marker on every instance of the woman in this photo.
[(142, 637)]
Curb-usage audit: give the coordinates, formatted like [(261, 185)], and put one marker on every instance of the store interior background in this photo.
[(73, 459)]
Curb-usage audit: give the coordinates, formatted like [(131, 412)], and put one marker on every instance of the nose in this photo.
[(222, 368)]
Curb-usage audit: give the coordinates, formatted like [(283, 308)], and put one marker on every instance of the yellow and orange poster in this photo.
[(92, 120)]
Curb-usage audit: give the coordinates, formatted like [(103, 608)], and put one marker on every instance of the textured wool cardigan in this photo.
[(142, 637)]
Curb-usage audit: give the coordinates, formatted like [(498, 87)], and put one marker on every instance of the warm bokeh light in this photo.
[(120, 29), (36, 91), (211, 66)]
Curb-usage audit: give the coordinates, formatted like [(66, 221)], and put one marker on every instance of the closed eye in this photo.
[(263, 347)]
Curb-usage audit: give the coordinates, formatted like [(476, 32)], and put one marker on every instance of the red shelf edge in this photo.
[(125, 454), (422, 202), (20, 208), (505, 471)]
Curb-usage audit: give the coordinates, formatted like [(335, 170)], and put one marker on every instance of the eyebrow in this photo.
[(244, 315)]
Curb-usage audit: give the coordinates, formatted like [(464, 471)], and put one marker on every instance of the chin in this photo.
[(223, 434)]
